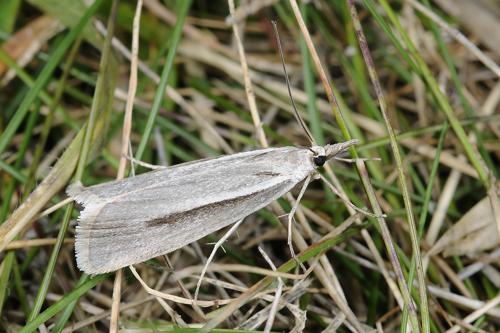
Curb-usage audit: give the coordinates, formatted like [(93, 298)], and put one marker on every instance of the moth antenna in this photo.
[(295, 110)]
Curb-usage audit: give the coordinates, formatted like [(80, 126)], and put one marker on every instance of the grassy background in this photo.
[(415, 82)]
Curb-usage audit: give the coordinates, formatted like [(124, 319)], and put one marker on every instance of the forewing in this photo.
[(136, 219)]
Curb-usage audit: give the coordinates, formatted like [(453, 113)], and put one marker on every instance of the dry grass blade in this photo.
[(475, 232), (127, 127), (252, 104), (487, 61)]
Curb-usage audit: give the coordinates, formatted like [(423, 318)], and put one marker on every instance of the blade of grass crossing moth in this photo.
[(126, 146)]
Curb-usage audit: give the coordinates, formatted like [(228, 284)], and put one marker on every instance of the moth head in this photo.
[(319, 155), (323, 154)]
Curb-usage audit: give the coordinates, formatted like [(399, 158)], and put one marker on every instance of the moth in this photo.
[(135, 219)]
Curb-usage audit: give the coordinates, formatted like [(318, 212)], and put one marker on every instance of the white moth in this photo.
[(135, 219)]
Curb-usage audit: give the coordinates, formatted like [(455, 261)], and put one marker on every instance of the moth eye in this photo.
[(320, 160)]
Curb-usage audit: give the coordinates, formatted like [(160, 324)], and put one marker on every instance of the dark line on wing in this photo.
[(205, 209), (111, 223), (267, 173), (106, 231), (256, 156), (177, 217)]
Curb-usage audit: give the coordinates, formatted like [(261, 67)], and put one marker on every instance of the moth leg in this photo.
[(347, 201), (145, 164), (290, 220), (211, 257), (353, 160)]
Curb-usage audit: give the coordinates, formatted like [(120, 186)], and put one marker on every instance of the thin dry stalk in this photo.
[(480, 55), (127, 121), (174, 298), (127, 126), (21, 244), (252, 104), (464, 302), (277, 295), (443, 204), (476, 314)]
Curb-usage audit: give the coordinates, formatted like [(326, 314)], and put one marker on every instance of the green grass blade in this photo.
[(160, 91), (312, 109), (45, 75), (60, 305), (8, 15)]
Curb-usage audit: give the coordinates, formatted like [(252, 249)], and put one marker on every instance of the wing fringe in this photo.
[(92, 205)]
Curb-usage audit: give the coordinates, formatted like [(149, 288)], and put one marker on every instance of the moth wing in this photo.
[(127, 222)]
